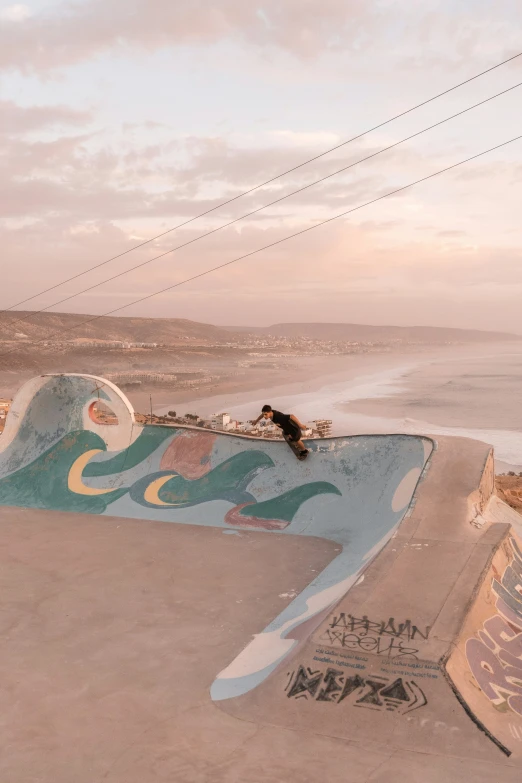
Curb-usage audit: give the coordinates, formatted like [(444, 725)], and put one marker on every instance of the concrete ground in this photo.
[(112, 632)]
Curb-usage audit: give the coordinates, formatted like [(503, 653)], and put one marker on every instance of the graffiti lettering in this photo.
[(375, 692), (346, 664), (305, 684), (349, 656), (389, 647), (495, 657), (384, 637), (395, 672), (364, 626)]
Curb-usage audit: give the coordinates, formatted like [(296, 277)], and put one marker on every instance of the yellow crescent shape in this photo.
[(151, 494), (75, 482)]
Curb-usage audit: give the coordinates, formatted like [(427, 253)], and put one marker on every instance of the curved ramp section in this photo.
[(354, 491), (50, 408), (486, 666), (424, 653)]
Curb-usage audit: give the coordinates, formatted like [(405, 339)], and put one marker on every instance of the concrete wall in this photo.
[(354, 491)]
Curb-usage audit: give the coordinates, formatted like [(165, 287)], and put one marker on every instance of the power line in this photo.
[(267, 182), (259, 209), (273, 244)]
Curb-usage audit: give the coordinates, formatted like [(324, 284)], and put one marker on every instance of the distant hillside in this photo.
[(363, 333), (175, 330), (147, 330)]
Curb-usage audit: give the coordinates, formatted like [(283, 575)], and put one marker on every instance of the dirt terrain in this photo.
[(27, 326), (509, 489)]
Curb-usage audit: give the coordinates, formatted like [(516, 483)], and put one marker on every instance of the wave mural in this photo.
[(351, 490)]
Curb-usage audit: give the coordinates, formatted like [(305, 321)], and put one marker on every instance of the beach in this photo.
[(466, 391), (292, 375)]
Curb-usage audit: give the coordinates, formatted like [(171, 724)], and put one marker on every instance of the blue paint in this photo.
[(360, 475)]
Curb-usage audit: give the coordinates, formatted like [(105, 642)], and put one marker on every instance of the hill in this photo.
[(364, 333), (171, 331), (147, 330)]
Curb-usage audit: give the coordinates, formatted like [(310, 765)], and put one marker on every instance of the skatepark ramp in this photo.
[(411, 635)]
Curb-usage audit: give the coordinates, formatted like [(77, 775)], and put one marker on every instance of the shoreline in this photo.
[(357, 390), (466, 391), (308, 374)]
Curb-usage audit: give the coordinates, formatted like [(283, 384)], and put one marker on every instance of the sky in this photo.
[(121, 119)]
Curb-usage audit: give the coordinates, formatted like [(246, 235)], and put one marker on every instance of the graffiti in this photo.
[(369, 644), (363, 625), (495, 657), (384, 637), (427, 670), (373, 692), (54, 456), (351, 661)]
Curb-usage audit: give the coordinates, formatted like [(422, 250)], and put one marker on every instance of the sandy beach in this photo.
[(462, 391), (299, 375)]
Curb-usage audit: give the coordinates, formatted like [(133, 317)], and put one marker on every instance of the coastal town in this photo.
[(222, 422)]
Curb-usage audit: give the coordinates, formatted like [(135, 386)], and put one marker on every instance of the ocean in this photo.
[(467, 391)]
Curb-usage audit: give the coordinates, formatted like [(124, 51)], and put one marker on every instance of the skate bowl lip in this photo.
[(413, 435), (132, 411), (325, 588)]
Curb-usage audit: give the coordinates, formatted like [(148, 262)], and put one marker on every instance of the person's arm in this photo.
[(294, 418), (254, 423)]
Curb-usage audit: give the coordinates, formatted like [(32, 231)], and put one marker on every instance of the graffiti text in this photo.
[(370, 692)]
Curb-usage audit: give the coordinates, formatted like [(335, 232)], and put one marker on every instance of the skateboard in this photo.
[(296, 450)]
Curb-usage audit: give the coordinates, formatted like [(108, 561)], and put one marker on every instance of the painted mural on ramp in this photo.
[(355, 491), (486, 664)]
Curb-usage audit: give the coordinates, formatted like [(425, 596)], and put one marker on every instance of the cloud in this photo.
[(15, 13), (413, 37), (306, 139), (85, 175), (75, 31), (339, 273), (15, 119)]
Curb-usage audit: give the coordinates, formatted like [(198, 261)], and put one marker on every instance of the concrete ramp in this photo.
[(413, 656), (486, 664), (408, 640), (55, 455)]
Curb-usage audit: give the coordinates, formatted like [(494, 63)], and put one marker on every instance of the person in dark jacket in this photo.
[(290, 424)]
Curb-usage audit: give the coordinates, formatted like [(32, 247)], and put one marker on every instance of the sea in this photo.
[(466, 391)]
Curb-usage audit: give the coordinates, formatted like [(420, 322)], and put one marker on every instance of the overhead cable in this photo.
[(263, 184), (271, 244), (31, 315)]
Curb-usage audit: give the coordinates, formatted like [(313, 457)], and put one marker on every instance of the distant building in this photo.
[(323, 427), (181, 380), (319, 428), (220, 421)]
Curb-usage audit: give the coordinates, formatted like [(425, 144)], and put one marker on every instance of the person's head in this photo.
[(267, 412)]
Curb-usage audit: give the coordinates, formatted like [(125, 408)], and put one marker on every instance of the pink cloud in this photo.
[(15, 119), (74, 32), (414, 37), (78, 176)]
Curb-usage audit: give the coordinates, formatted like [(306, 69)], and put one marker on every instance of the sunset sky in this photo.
[(120, 119)]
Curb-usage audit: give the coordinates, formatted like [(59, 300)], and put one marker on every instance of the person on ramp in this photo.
[(290, 425)]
